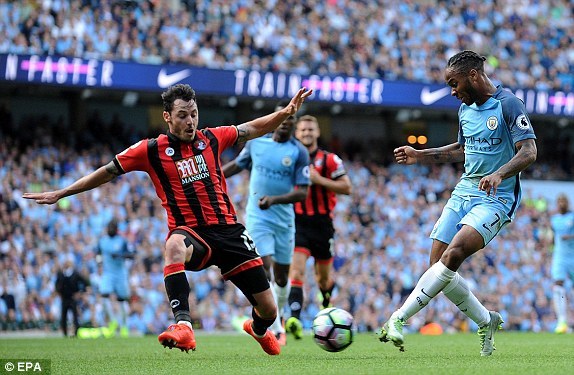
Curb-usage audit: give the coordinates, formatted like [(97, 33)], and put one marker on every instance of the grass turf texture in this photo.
[(518, 353)]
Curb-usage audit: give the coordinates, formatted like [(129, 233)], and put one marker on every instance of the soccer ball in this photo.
[(333, 329)]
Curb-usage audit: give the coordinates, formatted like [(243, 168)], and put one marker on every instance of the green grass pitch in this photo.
[(222, 354)]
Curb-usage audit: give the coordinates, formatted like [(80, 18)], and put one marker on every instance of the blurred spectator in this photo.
[(69, 283), (7, 307)]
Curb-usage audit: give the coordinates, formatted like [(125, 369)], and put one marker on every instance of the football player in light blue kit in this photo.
[(114, 251), (496, 142), (279, 166), (562, 259)]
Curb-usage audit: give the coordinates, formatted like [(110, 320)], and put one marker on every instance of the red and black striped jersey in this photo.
[(321, 201), (187, 176)]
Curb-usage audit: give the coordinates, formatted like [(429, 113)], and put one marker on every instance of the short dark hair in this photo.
[(113, 227), (179, 91), (465, 61)]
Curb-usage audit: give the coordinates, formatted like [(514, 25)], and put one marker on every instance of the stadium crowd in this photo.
[(529, 43), (381, 245)]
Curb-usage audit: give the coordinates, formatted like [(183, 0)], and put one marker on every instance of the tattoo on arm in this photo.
[(447, 154), (438, 157), (441, 156), (112, 169), (525, 156), (242, 134)]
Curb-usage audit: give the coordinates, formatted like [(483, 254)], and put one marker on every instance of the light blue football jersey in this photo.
[(563, 224), (276, 168), (489, 133), (113, 250)]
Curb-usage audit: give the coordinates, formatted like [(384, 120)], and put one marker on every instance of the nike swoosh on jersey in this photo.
[(165, 80), (429, 97)]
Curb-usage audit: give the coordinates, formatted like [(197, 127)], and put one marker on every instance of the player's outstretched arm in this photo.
[(342, 185), (98, 177), (231, 169), (445, 154), (299, 194), (263, 125)]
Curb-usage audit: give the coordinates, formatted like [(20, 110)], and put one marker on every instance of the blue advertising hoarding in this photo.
[(108, 74)]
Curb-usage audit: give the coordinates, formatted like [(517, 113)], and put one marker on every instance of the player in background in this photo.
[(562, 259), (114, 250), (279, 166), (314, 229), (496, 142), (185, 168)]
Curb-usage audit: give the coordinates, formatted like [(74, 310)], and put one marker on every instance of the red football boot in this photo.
[(268, 342), (178, 336)]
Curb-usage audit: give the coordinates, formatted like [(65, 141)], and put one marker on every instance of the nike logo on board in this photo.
[(165, 80), (429, 97)]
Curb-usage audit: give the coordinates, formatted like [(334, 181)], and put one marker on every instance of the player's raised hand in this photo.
[(298, 100), (405, 155), (47, 197)]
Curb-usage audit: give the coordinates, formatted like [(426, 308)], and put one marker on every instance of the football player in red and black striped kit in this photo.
[(185, 168), (314, 229)]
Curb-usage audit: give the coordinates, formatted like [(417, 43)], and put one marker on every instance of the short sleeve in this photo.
[(302, 173), (335, 167), (133, 158), (516, 117), (226, 136)]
